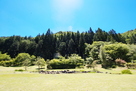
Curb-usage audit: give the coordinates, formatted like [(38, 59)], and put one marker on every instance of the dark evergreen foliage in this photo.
[(66, 43)]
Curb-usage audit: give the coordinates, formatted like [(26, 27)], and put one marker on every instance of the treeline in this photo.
[(65, 43), (106, 48), (105, 53)]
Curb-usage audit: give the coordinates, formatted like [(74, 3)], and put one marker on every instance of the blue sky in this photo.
[(31, 17)]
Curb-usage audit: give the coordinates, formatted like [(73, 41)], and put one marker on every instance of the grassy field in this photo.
[(25, 81)]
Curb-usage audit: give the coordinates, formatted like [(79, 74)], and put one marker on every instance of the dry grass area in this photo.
[(25, 81)]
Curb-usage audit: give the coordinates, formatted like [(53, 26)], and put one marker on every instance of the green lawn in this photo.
[(25, 81)]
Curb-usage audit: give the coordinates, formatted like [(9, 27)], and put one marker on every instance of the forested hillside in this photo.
[(65, 43), (85, 44), (130, 36)]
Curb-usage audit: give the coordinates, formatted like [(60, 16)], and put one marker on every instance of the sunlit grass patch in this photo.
[(26, 81)]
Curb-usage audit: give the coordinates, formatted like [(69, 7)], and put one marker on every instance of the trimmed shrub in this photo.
[(126, 72), (61, 64), (120, 62), (72, 62)]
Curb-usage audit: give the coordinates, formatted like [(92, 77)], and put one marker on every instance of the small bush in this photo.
[(20, 70), (49, 67), (126, 72), (113, 66), (6, 63), (120, 62)]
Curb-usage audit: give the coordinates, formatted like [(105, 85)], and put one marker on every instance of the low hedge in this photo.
[(6, 63), (20, 70), (131, 65)]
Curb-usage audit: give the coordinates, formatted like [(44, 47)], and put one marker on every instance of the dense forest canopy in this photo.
[(65, 43), (85, 44)]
